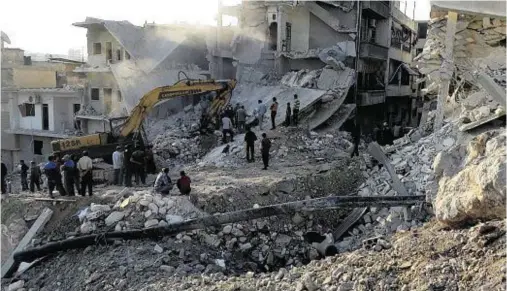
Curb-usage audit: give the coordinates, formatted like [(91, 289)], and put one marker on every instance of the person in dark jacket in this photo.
[(288, 113), (265, 147), (385, 135), (4, 175), (250, 139), (54, 176), (35, 176), (69, 170), (356, 135), (128, 166), (183, 183), (138, 161), (24, 175)]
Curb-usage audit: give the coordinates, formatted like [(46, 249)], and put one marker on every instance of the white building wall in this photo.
[(299, 17), (103, 36)]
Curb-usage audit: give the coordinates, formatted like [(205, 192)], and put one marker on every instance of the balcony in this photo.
[(371, 97), (398, 90), (375, 9), (373, 51), (403, 19), (399, 52)]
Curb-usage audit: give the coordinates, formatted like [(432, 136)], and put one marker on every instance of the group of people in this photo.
[(291, 114), (250, 139), (163, 183), (128, 163)]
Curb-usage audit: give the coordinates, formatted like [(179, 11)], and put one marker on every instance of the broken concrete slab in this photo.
[(8, 266), (331, 79), (325, 111)]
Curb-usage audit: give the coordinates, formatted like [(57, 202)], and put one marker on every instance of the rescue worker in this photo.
[(295, 110), (288, 114), (274, 109), (241, 117), (69, 170), (127, 166), (261, 110), (35, 177), (163, 183), (138, 161), (183, 183), (24, 175), (265, 146), (385, 135), (85, 167), (4, 175), (227, 128), (356, 135), (54, 176), (250, 139), (118, 165)]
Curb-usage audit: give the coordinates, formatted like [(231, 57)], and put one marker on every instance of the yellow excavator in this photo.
[(130, 131)]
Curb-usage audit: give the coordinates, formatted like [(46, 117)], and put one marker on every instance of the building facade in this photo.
[(376, 38)]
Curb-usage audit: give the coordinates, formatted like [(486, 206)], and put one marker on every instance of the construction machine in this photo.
[(129, 130)]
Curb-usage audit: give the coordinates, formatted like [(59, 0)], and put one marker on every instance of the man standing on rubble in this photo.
[(118, 165), (250, 139), (274, 109), (241, 117), (4, 175), (35, 176), (24, 175), (226, 128), (261, 110), (288, 114), (356, 135), (54, 176), (265, 147), (85, 167), (69, 170), (138, 160), (295, 110), (127, 166)]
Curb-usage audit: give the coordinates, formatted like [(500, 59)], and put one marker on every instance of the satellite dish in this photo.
[(5, 38)]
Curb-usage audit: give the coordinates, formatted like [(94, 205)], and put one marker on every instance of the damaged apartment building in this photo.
[(374, 38), (39, 101), (126, 61)]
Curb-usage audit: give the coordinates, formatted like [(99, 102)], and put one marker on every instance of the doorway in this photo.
[(45, 117), (109, 52), (273, 35), (108, 92)]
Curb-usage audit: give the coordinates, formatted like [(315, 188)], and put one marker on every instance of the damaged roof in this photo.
[(147, 46)]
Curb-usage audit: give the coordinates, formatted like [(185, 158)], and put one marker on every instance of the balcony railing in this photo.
[(375, 9), (371, 97), (395, 90), (373, 51)]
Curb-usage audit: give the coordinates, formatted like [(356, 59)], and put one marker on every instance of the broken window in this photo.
[(288, 37), (37, 147), (97, 48), (27, 109), (127, 55), (109, 51), (119, 96), (95, 94), (273, 35)]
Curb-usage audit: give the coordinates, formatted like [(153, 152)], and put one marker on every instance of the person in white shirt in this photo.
[(226, 128), (163, 183), (85, 166), (261, 110), (118, 165)]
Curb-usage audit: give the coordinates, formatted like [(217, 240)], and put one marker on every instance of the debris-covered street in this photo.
[(379, 159)]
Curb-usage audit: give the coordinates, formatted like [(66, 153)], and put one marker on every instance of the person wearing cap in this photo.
[(118, 165), (69, 171), (163, 183), (85, 166), (35, 177)]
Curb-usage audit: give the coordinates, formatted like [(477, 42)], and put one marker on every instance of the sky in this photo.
[(46, 26)]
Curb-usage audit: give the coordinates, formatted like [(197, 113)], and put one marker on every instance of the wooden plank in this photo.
[(36, 227)]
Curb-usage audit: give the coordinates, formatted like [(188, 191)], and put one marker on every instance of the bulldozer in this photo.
[(129, 130)]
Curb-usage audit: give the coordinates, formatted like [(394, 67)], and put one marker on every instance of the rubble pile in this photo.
[(477, 47), (296, 143), (87, 110)]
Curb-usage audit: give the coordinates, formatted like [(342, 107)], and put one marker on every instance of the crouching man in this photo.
[(163, 183)]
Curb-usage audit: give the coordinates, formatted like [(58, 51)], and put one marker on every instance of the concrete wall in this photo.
[(383, 32), (101, 80), (322, 36), (94, 126), (95, 35), (33, 77), (310, 64), (26, 151), (12, 57), (299, 17)]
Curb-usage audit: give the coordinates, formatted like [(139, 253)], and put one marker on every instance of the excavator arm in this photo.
[(223, 88)]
